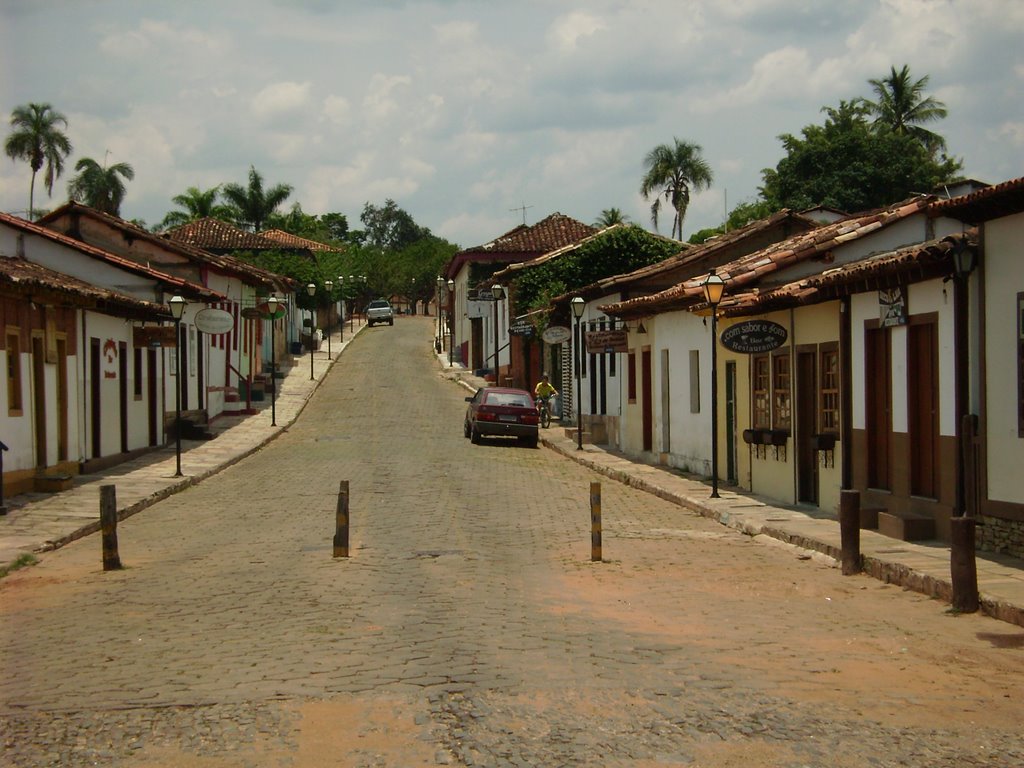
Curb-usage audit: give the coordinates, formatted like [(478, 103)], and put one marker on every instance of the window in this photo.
[(828, 412), (631, 377), (13, 337), (781, 391), (694, 381), (760, 373)]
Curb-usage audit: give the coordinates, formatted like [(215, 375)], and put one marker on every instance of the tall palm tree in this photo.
[(38, 139), (673, 172), (903, 107), (610, 216), (252, 204), (197, 204), (99, 186)]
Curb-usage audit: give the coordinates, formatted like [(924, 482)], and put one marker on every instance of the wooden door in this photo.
[(878, 397), (151, 398), (122, 392), (647, 393), (39, 399), (923, 408), (62, 400), (806, 426), (95, 382), (731, 457)]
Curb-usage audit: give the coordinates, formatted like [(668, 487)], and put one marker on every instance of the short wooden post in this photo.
[(341, 522), (108, 525), (849, 531), (595, 522), (963, 566)]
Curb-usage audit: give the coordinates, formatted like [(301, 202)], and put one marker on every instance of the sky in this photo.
[(474, 115)]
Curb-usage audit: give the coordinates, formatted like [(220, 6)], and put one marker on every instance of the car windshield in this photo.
[(509, 398), (378, 304)]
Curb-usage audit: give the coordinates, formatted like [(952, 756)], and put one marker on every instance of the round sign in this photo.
[(214, 321), (753, 336), (556, 334)]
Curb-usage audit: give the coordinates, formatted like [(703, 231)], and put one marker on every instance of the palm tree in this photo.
[(673, 172), (610, 216), (198, 204), (253, 205), (100, 187), (38, 139), (903, 107)]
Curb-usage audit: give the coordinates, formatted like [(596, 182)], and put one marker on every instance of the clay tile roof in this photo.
[(294, 241), (29, 275), (215, 234), (747, 270), (549, 234), (993, 202)]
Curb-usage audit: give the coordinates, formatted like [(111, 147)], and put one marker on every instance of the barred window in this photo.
[(761, 384), (828, 415), (13, 338), (781, 391)]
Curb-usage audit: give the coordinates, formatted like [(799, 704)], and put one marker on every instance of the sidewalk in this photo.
[(41, 522), (920, 567), (38, 522)]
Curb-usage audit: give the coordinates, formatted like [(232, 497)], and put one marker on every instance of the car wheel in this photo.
[(465, 429), (474, 437), (532, 442), (391, 322)]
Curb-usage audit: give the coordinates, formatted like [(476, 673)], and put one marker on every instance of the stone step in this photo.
[(906, 526)]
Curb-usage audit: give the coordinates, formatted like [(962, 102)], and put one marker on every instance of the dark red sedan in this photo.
[(502, 412)]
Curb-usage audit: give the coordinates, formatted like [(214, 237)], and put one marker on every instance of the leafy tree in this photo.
[(37, 138), (609, 217), (389, 227), (903, 108), (197, 204), (739, 217), (673, 172), (252, 205), (100, 187), (849, 164)]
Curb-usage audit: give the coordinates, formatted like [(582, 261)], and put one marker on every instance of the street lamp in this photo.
[(440, 288), (311, 290), (272, 309), (341, 290), (351, 311), (714, 287), (451, 320), (497, 292), (329, 285), (577, 311), (177, 310)]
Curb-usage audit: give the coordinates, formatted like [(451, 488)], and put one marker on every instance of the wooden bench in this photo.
[(906, 526)]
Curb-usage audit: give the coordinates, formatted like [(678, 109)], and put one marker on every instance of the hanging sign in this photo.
[(556, 334), (154, 336), (522, 328), (214, 321), (892, 307), (602, 342), (753, 336)]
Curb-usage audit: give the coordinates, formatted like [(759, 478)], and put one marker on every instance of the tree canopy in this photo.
[(903, 108), (38, 139), (673, 172), (253, 204), (100, 186)]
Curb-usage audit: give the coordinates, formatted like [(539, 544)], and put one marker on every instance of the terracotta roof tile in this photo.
[(1004, 199), (549, 234), (213, 233), (294, 241)]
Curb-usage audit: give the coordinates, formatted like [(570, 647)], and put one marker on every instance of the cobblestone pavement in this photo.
[(469, 626)]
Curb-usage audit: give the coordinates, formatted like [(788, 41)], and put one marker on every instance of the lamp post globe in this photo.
[(177, 305), (577, 311)]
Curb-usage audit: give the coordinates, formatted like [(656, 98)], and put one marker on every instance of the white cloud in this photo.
[(283, 98), (567, 31)]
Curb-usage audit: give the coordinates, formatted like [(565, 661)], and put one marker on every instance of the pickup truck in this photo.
[(379, 311)]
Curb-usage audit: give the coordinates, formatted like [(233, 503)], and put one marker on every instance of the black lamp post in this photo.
[(177, 310), (341, 318), (351, 309), (497, 292), (440, 290), (272, 309), (714, 287), (329, 285), (577, 311), (311, 290), (451, 320)]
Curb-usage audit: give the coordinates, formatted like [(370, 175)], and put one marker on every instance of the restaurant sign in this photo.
[(753, 336), (601, 342)]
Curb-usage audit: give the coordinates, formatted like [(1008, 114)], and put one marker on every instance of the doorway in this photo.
[(806, 426), (647, 405), (878, 397), (39, 399), (923, 408), (731, 457)]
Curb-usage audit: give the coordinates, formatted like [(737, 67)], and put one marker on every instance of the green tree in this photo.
[(673, 172), (609, 217), (37, 138), (100, 187), (848, 164), (743, 214), (903, 108), (389, 227), (196, 204), (253, 205)]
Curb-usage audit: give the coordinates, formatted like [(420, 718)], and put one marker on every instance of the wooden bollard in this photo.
[(963, 566), (341, 522), (108, 525), (595, 522), (849, 531)]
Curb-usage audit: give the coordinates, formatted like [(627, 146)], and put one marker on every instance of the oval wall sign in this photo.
[(752, 336), (556, 334), (214, 321)]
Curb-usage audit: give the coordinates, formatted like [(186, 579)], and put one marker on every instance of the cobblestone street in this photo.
[(469, 627)]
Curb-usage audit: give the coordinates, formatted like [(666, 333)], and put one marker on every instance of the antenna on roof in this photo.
[(522, 208)]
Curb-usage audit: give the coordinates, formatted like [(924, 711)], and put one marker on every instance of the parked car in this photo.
[(502, 412), (379, 311)]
